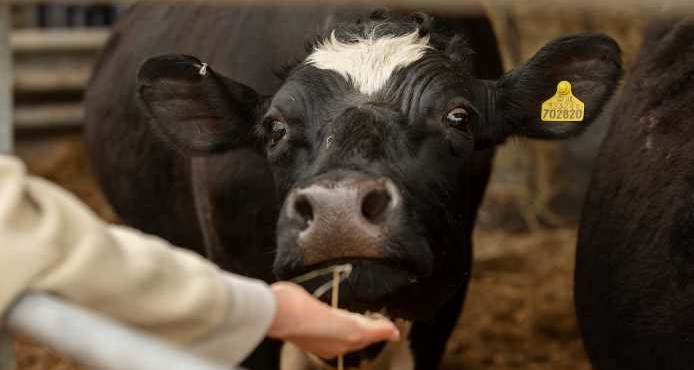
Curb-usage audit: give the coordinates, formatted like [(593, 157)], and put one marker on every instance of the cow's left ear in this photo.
[(591, 63)]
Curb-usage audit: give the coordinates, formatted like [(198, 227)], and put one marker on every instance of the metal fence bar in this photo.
[(94, 340), (7, 361), (6, 134), (57, 40), (674, 7), (5, 80)]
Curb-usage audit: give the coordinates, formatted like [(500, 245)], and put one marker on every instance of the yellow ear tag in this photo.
[(563, 106)]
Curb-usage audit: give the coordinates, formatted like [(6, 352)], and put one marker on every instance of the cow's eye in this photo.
[(457, 118), (278, 131)]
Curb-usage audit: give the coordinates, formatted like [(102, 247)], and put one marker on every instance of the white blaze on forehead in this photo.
[(370, 62)]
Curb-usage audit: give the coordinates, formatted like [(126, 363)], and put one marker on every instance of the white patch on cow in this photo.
[(394, 356), (369, 62)]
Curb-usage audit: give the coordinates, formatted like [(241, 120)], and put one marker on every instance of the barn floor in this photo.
[(518, 314), (519, 310)]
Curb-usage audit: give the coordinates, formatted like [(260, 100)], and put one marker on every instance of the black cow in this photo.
[(373, 147), (635, 258)]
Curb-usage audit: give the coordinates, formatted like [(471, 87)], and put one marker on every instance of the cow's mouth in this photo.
[(373, 287), (379, 286)]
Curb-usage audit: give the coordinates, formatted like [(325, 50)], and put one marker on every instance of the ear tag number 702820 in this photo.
[(563, 106)]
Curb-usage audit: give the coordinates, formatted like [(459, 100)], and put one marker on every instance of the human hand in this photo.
[(320, 329)]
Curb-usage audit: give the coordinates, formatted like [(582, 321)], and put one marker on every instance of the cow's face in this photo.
[(371, 140)]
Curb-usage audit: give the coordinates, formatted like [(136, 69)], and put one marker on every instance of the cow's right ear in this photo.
[(194, 109)]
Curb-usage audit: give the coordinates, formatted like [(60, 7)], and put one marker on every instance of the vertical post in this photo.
[(6, 80), (7, 361), (6, 354)]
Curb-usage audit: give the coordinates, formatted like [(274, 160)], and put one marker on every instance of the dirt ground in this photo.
[(518, 315), (519, 311)]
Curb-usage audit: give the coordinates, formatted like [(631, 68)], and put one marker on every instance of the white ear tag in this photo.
[(203, 70)]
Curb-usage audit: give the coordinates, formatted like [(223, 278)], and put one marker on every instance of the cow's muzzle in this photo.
[(348, 218)]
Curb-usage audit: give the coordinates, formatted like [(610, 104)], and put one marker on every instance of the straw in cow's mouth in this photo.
[(340, 273)]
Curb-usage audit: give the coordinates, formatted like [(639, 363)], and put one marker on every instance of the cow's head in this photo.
[(371, 139)]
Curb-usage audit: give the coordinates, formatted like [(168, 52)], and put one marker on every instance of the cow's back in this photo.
[(635, 257)]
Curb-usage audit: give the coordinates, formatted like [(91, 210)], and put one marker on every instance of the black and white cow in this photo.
[(634, 279), (374, 148)]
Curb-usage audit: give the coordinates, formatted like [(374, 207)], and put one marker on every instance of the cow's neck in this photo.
[(204, 211)]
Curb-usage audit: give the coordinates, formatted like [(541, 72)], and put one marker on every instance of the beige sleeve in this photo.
[(50, 241)]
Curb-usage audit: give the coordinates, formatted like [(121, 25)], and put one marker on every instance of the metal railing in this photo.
[(674, 7), (7, 361), (54, 65), (6, 76), (92, 339), (53, 48)]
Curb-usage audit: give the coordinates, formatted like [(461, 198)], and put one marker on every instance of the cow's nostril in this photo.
[(374, 205), (303, 208)]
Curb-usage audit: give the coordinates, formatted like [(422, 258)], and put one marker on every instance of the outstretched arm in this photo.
[(50, 241)]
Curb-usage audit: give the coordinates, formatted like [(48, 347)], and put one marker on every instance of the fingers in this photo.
[(372, 329), (381, 330), (322, 330)]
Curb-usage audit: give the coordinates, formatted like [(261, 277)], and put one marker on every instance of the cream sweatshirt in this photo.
[(50, 241)]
